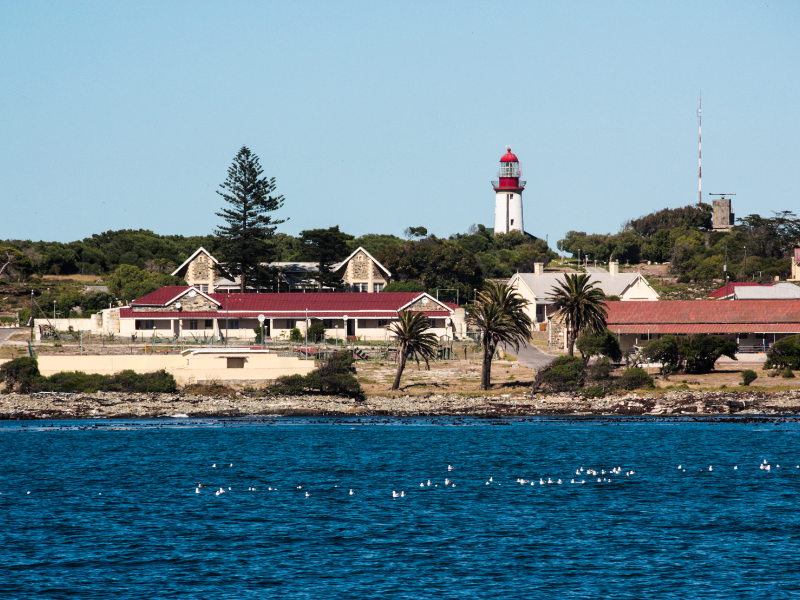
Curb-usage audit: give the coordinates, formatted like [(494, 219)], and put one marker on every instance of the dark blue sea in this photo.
[(110, 509)]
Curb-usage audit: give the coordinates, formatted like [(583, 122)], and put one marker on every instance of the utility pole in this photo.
[(700, 150), (31, 315), (745, 263), (727, 280)]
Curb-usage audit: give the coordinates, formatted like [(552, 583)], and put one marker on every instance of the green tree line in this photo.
[(757, 247)]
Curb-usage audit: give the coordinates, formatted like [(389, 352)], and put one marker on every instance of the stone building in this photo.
[(360, 272), (722, 217)]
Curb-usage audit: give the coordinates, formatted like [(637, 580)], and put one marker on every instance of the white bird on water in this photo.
[(395, 494), (710, 468), (308, 494), (735, 467), (402, 494), (449, 467), (421, 485), (214, 466), (352, 492), (429, 482), (197, 491)]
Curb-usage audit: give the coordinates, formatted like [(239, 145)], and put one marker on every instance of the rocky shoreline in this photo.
[(663, 404)]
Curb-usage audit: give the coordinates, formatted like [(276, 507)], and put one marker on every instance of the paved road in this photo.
[(591, 269), (7, 333), (531, 357)]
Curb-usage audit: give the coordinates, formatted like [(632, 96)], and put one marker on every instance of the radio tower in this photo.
[(700, 151)]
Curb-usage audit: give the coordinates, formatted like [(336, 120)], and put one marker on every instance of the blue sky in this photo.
[(375, 116)]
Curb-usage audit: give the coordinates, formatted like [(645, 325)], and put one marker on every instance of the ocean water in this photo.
[(113, 510)]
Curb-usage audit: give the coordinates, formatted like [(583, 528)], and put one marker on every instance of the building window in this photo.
[(291, 323), (235, 363), (193, 324), (512, 221), (233, 323), (145, 324), (433, 322), (383, 322), (743, 336), (377, 287), (209, 324), (203, 287), (327, 323)]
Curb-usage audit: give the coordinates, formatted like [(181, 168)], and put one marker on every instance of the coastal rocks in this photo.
[(670, 403)]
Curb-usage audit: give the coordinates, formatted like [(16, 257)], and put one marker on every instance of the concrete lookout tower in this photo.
[(508, 196)]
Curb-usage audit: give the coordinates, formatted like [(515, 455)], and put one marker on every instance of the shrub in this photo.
[(208, 389), (565, 373), (71, 381), (336, 375), (20, 374), (665, 351), (316, 332), (595, 391), (635, 378), (157, 382), (289, 385), (784, 354), (748, 376), (295, 335), (787, 373), (600, 371), (604, 343), (23, 374), (700, 352)]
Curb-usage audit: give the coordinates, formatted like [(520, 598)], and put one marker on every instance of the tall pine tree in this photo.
[(244, 240)]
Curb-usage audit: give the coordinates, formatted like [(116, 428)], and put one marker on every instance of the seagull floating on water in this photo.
[(352, 492)]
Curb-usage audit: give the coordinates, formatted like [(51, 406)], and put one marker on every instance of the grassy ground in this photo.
[(446, 377)]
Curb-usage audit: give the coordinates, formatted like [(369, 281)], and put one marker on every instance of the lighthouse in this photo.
[(508, 196)]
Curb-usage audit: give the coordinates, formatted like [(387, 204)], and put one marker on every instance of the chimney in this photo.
[(613, 268), (538, 269)]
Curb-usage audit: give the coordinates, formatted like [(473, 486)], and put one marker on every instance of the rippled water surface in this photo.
[(113, 510)]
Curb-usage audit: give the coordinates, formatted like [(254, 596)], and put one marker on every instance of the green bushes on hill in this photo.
[(571, 374), (22, 375), (695, 354), (336, 376), (784, 354)]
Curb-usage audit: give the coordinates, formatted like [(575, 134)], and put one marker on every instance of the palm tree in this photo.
[(500, 315), (580, 305), (413, 340)]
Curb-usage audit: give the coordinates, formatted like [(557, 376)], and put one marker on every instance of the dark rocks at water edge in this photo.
[(666, 404)]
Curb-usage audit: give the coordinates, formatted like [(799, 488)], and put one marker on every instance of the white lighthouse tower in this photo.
[(508, 199)]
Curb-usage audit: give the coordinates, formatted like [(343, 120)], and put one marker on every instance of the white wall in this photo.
[(514, 212)]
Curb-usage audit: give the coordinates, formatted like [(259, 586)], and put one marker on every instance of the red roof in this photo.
[(727, 290), (128, 313), (321, 305), (161, 296), (509, 157), (698, 316)]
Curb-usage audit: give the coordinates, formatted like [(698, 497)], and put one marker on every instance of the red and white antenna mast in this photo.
[(700, 151)]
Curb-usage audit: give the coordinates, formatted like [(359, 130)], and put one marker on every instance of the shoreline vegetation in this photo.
[(672, 403)]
